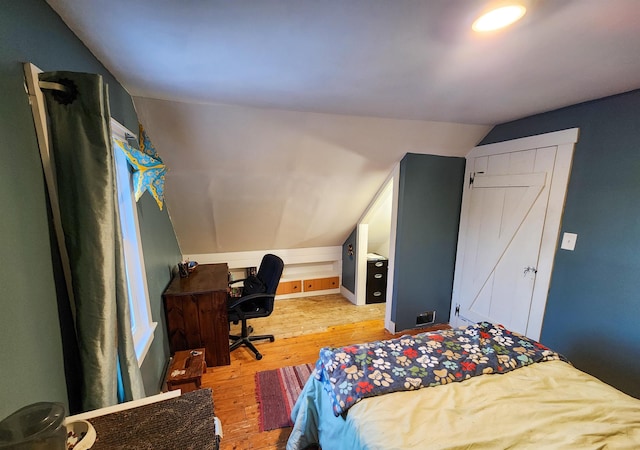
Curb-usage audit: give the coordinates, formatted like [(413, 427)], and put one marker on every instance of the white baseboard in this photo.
[(346, 293)]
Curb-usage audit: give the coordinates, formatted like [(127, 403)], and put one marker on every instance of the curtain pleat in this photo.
[(80, 133)]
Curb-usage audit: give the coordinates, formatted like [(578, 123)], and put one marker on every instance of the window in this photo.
[(142, 326)]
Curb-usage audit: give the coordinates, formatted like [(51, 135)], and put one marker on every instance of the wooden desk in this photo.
[(196, 311)]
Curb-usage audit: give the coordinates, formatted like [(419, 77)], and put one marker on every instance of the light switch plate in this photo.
[(569, 241)]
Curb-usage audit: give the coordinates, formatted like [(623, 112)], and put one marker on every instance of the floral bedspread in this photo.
[(352, 373)]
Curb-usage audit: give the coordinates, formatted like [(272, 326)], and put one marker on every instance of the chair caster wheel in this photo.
[(258, 356)]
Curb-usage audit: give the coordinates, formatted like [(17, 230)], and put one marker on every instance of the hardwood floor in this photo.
[(306, 315), (233, 386)]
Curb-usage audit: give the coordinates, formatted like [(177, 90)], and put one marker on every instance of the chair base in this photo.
[(246, 339)]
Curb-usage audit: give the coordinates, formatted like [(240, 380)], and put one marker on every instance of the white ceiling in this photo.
[(186, 62)]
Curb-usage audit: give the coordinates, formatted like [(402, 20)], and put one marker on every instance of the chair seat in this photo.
[(250, 314), (256, 305)]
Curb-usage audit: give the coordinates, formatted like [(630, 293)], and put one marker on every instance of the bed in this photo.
[(476, 387)]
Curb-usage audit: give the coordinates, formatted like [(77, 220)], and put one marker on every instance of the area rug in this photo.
[(277, 391)]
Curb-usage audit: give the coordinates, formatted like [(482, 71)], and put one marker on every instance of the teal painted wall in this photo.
[(349, 262), (31, 352), (594, 299), (161, 254), (429, 199)]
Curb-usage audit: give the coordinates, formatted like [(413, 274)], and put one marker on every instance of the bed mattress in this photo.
[(549, 404)]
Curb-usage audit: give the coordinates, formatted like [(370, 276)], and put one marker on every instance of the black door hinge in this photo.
[(472, 177), (457, 310)]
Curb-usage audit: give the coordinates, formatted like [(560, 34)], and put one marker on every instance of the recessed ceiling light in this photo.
[(499, 18)]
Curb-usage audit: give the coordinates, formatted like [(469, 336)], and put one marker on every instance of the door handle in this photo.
[(529, 269)]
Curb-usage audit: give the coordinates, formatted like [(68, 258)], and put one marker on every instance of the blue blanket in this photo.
[(352, 373)]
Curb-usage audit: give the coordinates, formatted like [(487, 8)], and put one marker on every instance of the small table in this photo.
[(186, 370)]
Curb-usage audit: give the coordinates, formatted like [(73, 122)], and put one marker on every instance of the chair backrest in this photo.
[(270, 272)]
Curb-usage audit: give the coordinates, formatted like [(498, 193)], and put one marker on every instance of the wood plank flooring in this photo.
[(305, 315), (295, 323)]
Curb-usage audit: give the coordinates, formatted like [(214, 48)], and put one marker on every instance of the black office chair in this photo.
[(254, 305)]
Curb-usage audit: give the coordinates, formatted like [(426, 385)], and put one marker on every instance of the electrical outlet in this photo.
[(569, 241)]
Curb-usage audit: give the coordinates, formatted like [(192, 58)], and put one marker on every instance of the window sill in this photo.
[(143, 344)]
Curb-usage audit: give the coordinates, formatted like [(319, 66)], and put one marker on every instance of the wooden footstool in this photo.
[(186, 370)]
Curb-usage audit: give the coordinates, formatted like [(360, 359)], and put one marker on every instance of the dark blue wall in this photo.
[(593, 308), (349, 262), (430, 195), (31, 367)]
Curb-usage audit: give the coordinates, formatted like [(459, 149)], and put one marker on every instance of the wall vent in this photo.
[(426, 317)]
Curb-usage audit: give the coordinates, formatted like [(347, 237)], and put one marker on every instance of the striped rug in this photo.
[(277, 391)]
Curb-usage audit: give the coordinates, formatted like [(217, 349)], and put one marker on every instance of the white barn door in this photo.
[(511, 210)]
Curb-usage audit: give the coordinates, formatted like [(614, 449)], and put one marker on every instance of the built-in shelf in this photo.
[(307, 271)]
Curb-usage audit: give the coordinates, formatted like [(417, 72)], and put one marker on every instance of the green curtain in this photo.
[(80, 131)]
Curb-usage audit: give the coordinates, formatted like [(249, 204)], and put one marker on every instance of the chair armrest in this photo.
[(236, 281)]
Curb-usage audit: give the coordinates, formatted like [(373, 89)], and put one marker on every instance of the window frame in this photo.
[(139, 304)]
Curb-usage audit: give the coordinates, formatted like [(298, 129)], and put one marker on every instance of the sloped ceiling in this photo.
[(280, 119), (252, 179)]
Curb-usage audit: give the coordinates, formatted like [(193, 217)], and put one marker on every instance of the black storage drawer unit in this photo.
[(376, 281)]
